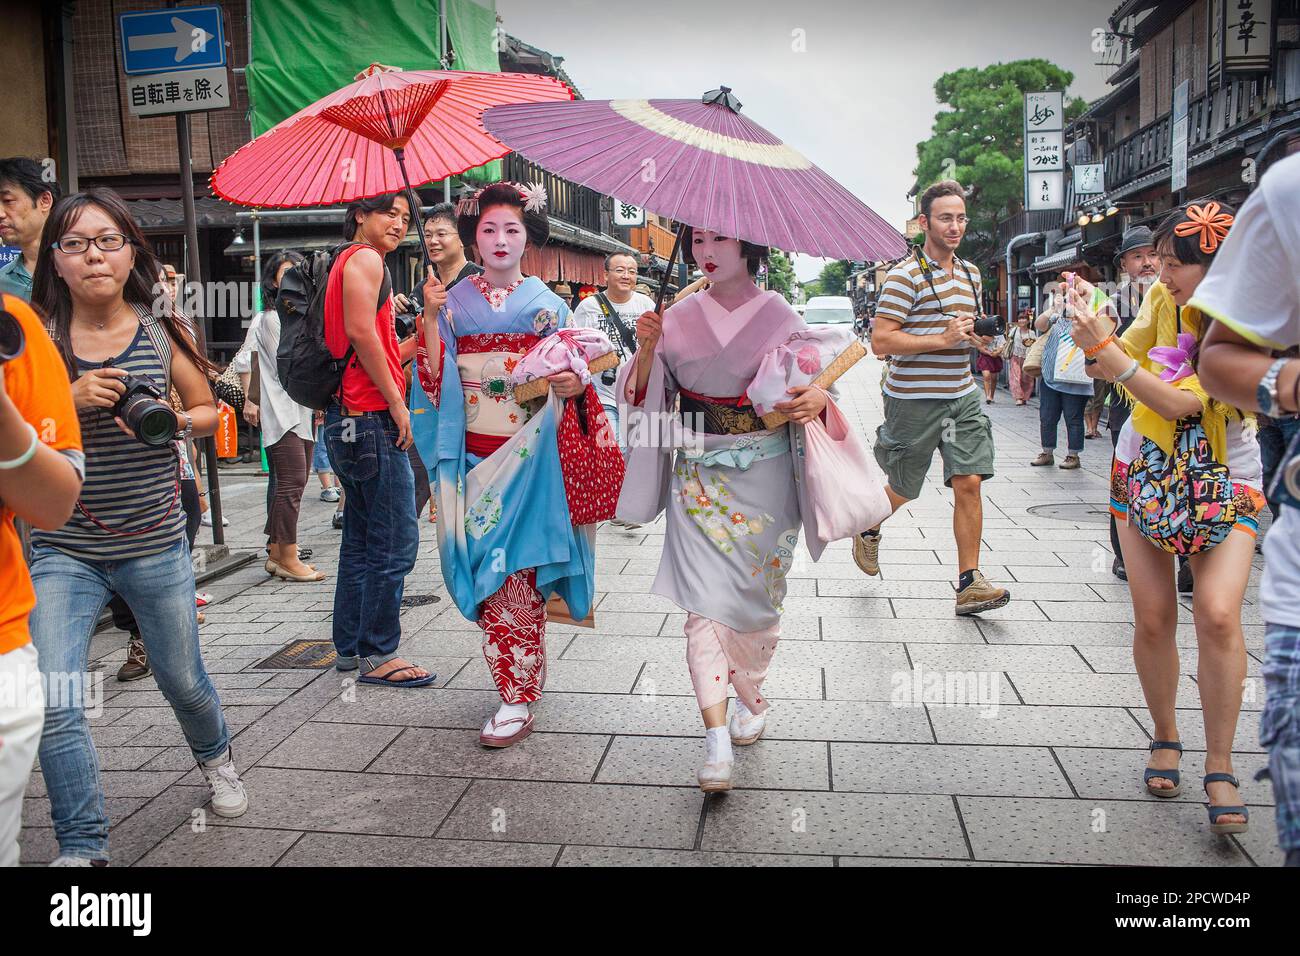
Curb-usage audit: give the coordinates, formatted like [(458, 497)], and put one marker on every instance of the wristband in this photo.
[(1128, 373), (26, 456), (1096, 349)]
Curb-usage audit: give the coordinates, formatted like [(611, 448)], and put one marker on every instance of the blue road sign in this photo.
[(182, 38)]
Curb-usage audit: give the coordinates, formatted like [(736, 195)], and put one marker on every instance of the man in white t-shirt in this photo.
[(614, 312), (1253, 293)]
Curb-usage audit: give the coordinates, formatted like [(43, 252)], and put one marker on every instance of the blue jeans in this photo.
[(1279, 728), (381, 534), (320, 460), (611, 413), (70, 594), (1051, 405)]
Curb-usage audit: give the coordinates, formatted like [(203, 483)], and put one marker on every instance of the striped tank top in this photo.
[(130, 504)]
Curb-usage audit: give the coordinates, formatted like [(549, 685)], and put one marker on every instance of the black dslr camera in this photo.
[(990, 325), (145, 411)]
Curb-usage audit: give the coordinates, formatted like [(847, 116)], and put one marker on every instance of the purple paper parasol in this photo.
[(700, 162)]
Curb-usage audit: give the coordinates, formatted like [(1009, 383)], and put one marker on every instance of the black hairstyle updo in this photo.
[(753, 254), (536, 225), (1186, 249)]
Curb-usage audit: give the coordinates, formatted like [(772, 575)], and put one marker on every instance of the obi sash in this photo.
[(485, 361), (719, 416)]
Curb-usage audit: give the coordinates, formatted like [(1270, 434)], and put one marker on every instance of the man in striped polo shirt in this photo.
[(925, 319)]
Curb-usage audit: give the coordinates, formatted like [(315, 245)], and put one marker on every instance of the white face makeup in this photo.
[(718, 257), (501, 238), (94, 276)]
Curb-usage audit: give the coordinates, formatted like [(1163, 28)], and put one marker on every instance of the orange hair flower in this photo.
[(1207, 220)]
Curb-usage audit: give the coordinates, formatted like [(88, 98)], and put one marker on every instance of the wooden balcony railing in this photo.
[(652, 238), (565, 200), (1209, 117)]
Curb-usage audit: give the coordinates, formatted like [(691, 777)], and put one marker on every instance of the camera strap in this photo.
[(176, 496), (926, 271), (616, 320)]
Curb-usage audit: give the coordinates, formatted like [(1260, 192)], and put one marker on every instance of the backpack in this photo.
[(307, 369)]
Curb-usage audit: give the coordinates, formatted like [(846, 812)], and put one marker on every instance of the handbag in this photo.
[(590, 460), (1033, 364), (1069, 360), (845, 486), (1182, 502), (227, 388)]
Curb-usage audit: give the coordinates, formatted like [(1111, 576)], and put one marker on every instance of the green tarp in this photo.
[(309, 48)]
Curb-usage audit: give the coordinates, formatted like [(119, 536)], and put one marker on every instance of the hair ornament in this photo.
[(534, 196), (1209, 222)]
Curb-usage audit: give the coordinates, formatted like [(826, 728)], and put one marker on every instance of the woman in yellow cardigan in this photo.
[(1155, 363)]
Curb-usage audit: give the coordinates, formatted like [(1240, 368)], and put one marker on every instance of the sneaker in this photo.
[(137, 661), (337, 521), (866, 553), (228, 796), (206, 520), (1117, 569), (1071, 462), (76, 861), (1044, 458), (979, 596), (1185, 578), (329, 494)]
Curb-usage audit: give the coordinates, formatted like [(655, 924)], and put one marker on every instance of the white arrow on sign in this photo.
[(185, 37)]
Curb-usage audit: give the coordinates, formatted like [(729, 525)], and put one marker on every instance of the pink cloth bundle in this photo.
[(801, 360), (578, 350)]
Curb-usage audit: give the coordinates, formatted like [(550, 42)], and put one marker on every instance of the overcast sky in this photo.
[(856, 101)]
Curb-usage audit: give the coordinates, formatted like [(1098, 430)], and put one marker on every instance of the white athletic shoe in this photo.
[(229, 798)]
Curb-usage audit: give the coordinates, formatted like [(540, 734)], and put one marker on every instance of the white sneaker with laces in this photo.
[(71, 861), (229, 799)]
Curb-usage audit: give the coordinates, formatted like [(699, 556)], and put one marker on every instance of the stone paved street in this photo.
[(1038, 758)]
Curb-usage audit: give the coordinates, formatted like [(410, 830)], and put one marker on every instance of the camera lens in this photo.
[(153, 422), (12, 339)]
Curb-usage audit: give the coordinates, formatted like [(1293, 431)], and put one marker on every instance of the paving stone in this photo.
[(1102, 690), (941, 768), (330, 747), (620, 856), (571, 813), (674, 761), (343, 849), (220, 846), (1135, 833), (1038, 726), (1027, 659), (455, 753), (945, 609), (335, 801), (831, 823), (957, 631), (901, 687)]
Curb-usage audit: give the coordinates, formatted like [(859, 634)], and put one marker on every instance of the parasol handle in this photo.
[(672, 261), (413, 200)]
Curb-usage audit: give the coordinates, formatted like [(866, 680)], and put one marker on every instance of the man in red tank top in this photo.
[(367, 435)]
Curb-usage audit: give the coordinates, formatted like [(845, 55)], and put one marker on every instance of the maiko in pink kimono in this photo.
[(732, 487)]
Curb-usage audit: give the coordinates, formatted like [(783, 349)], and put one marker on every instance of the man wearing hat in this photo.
[(1140, 268)]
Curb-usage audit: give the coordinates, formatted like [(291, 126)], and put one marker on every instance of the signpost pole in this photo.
[(201, 330)]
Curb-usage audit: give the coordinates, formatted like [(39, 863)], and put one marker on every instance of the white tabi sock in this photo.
[(509, 711), (717, 745)]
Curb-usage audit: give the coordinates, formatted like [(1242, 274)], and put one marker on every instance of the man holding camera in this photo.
[(1252, 292), (927, 318)]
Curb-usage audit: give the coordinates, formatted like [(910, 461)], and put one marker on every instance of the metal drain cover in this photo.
[(300, 655), (1077, 512), (420, 600)]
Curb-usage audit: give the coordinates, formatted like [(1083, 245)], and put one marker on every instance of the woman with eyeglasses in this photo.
[(94, 280)]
